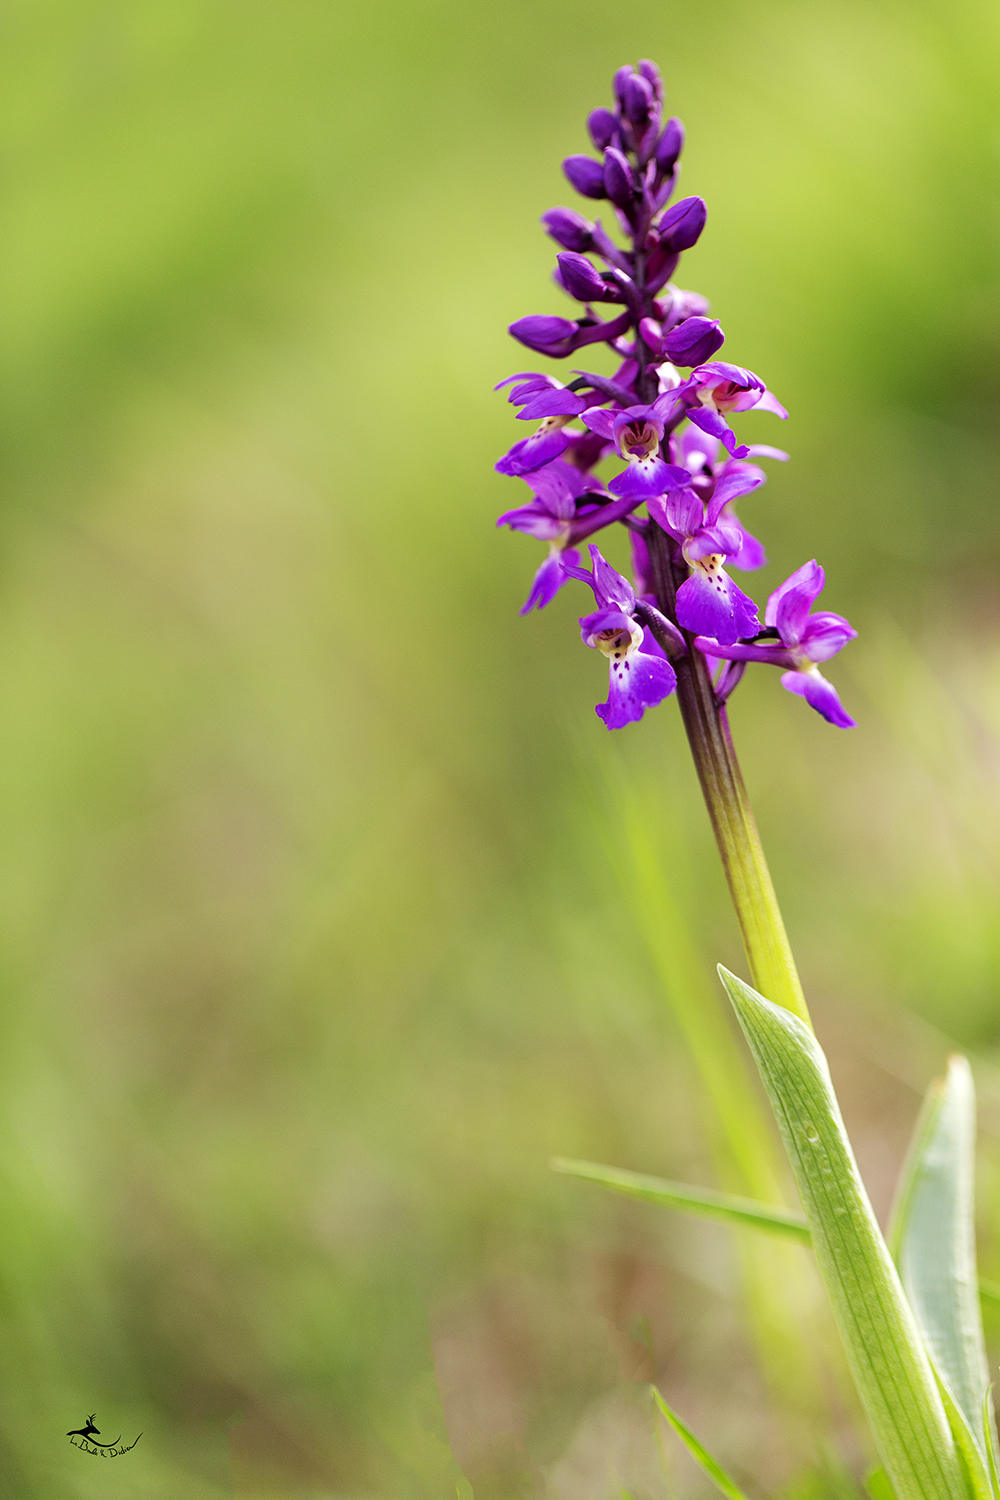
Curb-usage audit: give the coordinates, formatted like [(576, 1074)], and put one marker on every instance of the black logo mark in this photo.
[(106, 1450)]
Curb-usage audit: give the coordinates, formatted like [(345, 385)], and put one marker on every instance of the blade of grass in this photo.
[(709, 1203), (704, 1201), (888, 1359), (715, 1471)]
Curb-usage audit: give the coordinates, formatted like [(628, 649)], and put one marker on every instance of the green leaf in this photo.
[(989, 1291), (932, 1237), (698, 1200), (715, 1472), (887, 1357)]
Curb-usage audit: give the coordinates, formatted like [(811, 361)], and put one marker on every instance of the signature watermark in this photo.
[(106, 1450)]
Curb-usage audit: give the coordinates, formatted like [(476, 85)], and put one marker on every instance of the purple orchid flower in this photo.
[(539, 396), (569, 505), (637, 433), (550, 516), (716, 388), (803, 640), (640, 675), (699, 453), (709, 602)]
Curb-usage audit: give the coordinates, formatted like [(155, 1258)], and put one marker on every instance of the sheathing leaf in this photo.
[(967, 1441), (988, 1425), (933, 1240), (878, 1486), (888, 1360)]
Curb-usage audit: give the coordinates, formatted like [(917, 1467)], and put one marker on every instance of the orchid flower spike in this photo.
[(664, 411)]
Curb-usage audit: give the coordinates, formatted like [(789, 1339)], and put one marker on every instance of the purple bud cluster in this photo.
[(682, 466)]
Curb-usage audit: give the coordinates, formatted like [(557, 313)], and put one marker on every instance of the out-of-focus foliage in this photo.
[(311, 944)]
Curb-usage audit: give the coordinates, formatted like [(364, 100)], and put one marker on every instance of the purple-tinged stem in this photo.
[(772, 967)]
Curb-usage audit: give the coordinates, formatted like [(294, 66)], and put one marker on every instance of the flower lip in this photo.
[(611, 631), (613, 642), (638, 439)]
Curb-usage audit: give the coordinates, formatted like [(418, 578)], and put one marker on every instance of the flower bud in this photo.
[(602, 126), (619, 183), (679, 305), (670, 145), (694, 341), (651, 335), (569, 229), (586, 175), (637, 97), (618, 84), (546, 335), (580, 279), (651, 73), (681, 225)]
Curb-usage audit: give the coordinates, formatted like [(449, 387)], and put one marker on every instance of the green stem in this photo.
[(772, 967), (781, 1298)]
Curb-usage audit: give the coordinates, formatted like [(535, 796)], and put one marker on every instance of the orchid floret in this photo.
[(639, 674), (796, 640)]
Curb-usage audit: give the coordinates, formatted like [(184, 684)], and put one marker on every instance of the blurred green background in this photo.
[(317, 937)]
